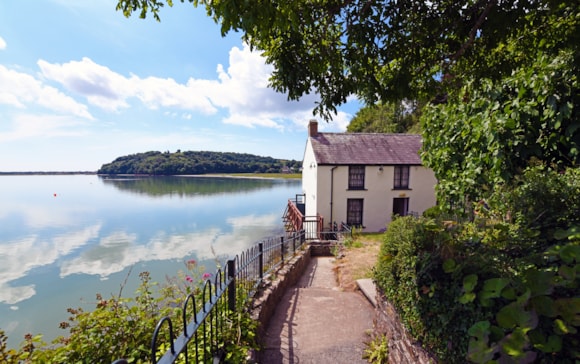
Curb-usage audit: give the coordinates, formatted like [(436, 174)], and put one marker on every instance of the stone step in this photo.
[(368, 288)]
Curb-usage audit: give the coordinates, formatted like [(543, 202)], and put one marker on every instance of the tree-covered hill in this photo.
[(200, 162)]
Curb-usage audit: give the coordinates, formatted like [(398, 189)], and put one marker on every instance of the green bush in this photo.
[(411, 274), (123, 327), (542, 201), (504, 286)]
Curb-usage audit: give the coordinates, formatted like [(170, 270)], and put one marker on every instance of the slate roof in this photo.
[(366, 148)]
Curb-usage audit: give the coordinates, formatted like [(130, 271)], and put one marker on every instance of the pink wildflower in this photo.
[(189, 279), (206, 276)]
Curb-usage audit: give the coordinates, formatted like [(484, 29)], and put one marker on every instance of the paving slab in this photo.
[(316, 322), (368, 288)]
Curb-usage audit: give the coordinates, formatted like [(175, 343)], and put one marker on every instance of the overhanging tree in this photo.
[(390, 117), (490, 131), (378, 50), (505, 71)]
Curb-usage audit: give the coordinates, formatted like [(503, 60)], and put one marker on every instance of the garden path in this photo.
[(316, 322)]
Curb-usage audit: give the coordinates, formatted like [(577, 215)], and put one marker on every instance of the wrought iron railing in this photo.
[(201, 339)]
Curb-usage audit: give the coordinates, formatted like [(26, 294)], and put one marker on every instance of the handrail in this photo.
[(294, 215), (243, 273)]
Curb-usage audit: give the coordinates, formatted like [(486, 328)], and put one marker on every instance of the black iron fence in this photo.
[(203, 332)]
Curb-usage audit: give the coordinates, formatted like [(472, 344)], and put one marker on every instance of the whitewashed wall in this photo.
[(378, 194)]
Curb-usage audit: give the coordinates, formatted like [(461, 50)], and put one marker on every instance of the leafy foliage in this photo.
[(157, 163), (381, 50), (123, 327), (501, 288), (490, 131), (377, 350), (402, 117)]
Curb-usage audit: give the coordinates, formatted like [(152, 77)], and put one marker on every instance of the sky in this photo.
[(81, 85)]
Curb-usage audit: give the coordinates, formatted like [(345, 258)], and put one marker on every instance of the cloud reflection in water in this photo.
[(18, 258)]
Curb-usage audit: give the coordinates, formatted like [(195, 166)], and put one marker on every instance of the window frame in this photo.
[(356, 177), (401, 177), (354, 206)]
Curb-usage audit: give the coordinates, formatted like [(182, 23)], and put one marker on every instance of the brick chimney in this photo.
[(313, 128)]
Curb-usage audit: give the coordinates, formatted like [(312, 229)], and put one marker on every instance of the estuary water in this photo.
[(65, 238)]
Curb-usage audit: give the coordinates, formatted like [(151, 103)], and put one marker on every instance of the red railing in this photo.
[(294, 219), (293, 216)]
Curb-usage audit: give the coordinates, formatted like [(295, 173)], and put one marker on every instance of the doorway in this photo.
[(400, 206)]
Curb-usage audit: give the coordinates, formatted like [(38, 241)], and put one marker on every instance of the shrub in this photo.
[(496, 288), (411, 275), (123, 327)]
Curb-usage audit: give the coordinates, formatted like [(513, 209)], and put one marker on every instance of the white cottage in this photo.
[(363, 179)]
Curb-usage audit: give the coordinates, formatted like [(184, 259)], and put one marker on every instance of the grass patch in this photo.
[(358, 259), (372, 237)]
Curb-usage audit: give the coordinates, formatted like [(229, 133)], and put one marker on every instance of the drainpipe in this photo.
[(331, 190)]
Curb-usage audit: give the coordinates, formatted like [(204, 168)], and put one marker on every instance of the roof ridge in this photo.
[(345, 133)]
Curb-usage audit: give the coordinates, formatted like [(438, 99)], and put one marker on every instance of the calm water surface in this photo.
[(65, 238)]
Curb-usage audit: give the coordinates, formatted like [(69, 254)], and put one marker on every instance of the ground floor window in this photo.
[(354, 211), (401, 206)]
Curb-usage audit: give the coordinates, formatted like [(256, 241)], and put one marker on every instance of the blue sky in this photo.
[(80, 85)]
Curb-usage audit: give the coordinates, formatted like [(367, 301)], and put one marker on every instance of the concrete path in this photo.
[(317, 323)]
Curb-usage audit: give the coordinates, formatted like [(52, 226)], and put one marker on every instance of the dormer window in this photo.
[(356, 178), (401, 178)]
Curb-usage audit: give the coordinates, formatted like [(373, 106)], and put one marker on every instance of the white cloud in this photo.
[(25, 126), (110, 90), (101, 86), (21, 90), (155, 92), (251, 120), (339, 123), (242, 90), (2, 44)]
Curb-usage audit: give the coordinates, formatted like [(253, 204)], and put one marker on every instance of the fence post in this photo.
[(261, 260), (282, 248), (232, 286), (294, 243)]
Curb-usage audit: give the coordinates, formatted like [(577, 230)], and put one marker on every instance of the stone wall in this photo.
[(402, 349), (322, 248), (275, 286)]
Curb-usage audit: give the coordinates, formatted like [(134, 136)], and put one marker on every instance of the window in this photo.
[(354, 211), (356, 177), (400, 206), (401, 177)]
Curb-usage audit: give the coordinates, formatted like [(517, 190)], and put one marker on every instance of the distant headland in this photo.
[(201, 162)]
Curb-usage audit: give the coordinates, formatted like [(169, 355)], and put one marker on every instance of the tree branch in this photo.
[(473, 31)]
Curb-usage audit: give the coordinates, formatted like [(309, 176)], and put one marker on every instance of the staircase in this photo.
[(295, 220), (294, 214)]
